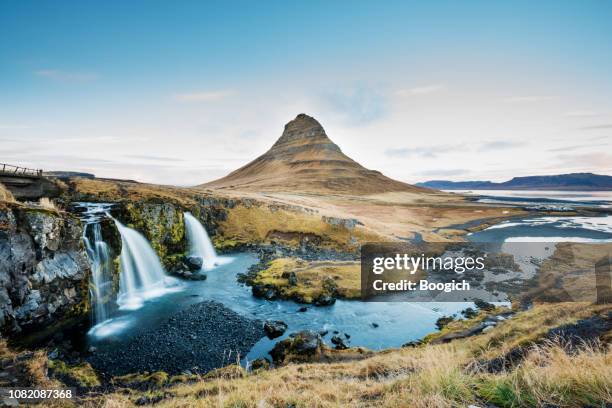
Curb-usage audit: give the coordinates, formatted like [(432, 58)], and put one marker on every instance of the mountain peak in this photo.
[(304, 159), (302, 129), (302, 134)]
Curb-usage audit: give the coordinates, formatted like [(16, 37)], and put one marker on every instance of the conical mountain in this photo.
[(304, 159)]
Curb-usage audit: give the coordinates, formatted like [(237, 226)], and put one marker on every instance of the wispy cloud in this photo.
[(424, 151), (359, 104), (601, 161), (14, 127), (204, 96), (596, 127), (64, 76), (581, 114), (500, 145), (422, 90), (154, 158), (444, 173), (575, 147), (527, 99)]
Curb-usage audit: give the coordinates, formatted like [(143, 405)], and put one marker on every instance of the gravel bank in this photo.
[(203, 337)]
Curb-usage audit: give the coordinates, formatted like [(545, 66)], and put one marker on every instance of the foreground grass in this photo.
[(445, 375)]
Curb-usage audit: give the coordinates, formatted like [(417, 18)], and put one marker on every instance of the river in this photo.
[(374, 325)]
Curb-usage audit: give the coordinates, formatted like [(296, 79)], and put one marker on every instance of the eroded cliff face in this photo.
[(44, 270)]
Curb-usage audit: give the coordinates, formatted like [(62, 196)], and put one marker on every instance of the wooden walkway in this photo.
[(10, 170)]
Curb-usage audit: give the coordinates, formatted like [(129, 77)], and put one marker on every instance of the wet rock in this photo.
[(195, 276), (443, 321), (302, 309), (325, 300), (260, 364), (374, 325), (291, 277), (275, 328), (483, 305), (194, 263), (461, 334), (264, 291), (469, 313), (302, 346), (414, 343), (339, 343), (323, 333), (488, 328)]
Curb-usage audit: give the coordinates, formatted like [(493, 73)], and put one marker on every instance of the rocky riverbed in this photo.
[(200, 338)]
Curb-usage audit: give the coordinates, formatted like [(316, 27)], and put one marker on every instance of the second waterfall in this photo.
[(142, 275), (200, 244)]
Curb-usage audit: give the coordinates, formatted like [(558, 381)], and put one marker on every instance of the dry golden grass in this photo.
[(312, 278), (113, 190), (47, 204), (265, 223), (5, 194)]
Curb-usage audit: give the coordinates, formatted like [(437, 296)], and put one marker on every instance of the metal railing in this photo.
[(9, 169)]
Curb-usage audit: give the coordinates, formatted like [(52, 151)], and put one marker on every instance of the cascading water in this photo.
[(200, 243), (101, 283), (142, 275), (101, 280)]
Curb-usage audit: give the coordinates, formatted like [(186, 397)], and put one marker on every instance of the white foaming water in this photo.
[(110, 327), (200, 243), (142, 275), (101, 281)]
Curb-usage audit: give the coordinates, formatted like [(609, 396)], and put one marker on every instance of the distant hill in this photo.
[(68, 174), (304, 159), (572, 181)]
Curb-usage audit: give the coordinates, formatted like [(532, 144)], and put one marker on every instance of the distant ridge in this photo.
[(568, 182), (304, 159)]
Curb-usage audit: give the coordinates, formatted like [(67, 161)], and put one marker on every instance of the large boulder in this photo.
[(275, 328), (339, 343), (194, 263), (299, 347)]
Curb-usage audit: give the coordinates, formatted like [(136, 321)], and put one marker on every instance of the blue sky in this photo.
[(183, 92)]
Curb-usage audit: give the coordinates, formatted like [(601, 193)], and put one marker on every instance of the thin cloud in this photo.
[(63, 76), (500, 145), (14, 127), (153, 158), (600, 161), (575, 147), (205, 96), (527, 99), (359, 104), (422, 90), (425, 151), (444, 173), (581, 114), (595, 127)]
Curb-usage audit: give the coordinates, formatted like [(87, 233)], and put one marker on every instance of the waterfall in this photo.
[(200, 243), (142, 275), (101, 280)]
